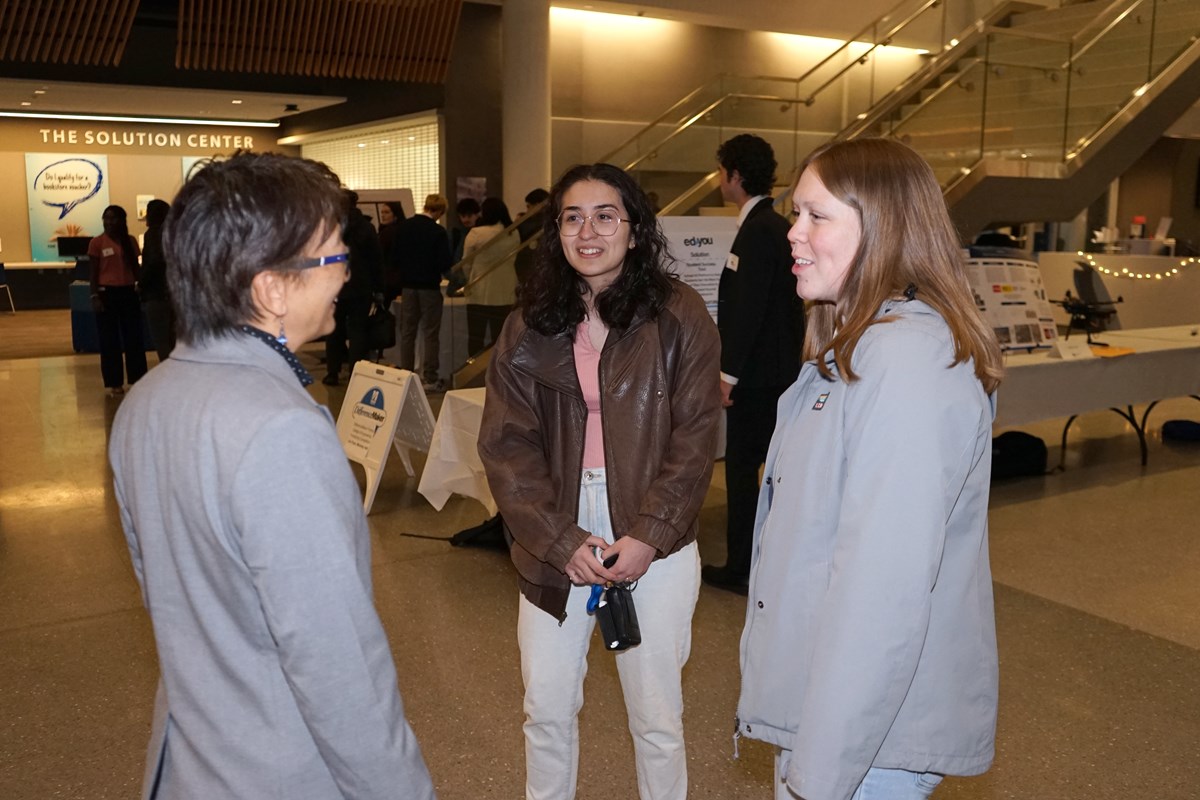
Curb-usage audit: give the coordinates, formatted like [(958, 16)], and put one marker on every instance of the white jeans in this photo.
[(554, 663)]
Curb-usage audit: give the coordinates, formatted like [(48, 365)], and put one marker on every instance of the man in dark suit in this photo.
[(761, 320)]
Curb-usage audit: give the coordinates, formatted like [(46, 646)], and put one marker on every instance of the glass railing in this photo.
[(1018, 95), (958, 89), (1005, 100)]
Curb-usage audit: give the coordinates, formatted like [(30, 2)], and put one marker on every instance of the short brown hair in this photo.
[(907, 240), (234, 219)]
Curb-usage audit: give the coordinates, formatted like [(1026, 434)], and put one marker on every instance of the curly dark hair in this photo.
[(552, 299), (753, 159)]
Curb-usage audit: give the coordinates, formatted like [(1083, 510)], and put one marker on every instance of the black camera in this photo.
[(617, 616)]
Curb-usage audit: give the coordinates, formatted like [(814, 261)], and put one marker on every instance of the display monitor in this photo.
[(73, 246)]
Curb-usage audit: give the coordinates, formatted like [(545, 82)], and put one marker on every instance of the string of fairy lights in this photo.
[(1125, 272)]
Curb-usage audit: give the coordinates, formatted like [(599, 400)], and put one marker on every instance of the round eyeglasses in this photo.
[(604, 222)]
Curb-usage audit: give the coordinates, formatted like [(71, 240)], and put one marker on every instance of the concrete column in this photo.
[(525, 43)]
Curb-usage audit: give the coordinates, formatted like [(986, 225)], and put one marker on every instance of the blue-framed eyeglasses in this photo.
[(310, 263)]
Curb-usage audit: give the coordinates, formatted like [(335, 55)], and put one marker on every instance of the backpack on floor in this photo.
[(1181, 430), (1016, 454)]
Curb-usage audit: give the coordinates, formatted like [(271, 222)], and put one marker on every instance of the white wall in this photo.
[(1149, 303), (600, 99)]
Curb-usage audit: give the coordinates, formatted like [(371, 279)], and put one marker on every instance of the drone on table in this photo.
[(1087, 317)]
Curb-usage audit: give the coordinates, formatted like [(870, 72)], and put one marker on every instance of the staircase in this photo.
[(1027, 113), (1034, 120)]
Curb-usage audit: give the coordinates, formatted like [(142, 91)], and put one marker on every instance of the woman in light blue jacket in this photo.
[(869, 653)]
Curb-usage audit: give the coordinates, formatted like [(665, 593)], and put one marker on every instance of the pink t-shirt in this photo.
[(587, 367), (106, 256)]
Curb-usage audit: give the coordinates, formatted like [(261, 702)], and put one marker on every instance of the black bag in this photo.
[(381, 327), (1181, 430), (1016, 454), (618, 618)]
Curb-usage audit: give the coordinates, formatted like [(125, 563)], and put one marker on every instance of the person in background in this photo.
[(348, 342), (869, 653), (244, 522), (492, 276), (575, 477), (528, 225), (422, 251), (468, 211), (156, 297), (762, 329), (390, 217), (113, 256)]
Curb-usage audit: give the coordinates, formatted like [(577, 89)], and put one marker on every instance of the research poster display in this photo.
[(701, 247), (1012, 298), (385, 408), (67, 196)]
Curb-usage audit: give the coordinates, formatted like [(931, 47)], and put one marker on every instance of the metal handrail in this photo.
[(1119, 14), (662, 117), (858, 60), (870, 26)]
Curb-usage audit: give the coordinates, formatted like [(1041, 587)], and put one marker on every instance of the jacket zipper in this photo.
[(578, 471), (737, 734)]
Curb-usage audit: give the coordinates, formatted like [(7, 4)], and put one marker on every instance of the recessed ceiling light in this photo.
[(236, 102), (26, 103), (39, 91), (362, 144), (412, 138), (383, 141)]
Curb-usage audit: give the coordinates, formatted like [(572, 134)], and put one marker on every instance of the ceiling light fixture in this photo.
[(223, 123), (236, 102)]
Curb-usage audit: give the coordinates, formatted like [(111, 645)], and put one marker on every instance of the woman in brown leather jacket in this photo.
[(597, 436)]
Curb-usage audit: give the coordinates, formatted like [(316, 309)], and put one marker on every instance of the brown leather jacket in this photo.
[(661, 400)]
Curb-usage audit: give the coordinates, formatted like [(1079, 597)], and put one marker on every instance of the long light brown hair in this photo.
[(907, 241)]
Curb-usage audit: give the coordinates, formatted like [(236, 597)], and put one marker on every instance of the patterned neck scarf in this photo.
[(301, 373)]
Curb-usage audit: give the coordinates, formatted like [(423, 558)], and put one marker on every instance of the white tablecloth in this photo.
[(1166, 363), (453, 465)]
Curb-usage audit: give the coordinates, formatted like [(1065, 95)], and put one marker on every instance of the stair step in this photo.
[(1076, 15)]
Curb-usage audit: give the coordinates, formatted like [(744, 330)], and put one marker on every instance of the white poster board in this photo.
[(67, 196), (700, 246), (1012, 298), (383, 406)]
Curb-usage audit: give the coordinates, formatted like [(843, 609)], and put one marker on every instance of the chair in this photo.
[(4, 286)]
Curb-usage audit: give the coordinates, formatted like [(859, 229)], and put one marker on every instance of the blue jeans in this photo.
[(879, 784), (896, 784)]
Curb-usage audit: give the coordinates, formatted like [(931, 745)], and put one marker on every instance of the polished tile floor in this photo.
[(1097, 597)]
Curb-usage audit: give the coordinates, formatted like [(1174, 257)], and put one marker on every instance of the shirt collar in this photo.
[(302, 374), (751, 203)]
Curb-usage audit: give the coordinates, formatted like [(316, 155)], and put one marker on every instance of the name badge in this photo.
[(107, 252), (731, 262)]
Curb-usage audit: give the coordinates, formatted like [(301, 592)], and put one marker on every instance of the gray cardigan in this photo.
[(248, 538), (870, 634)]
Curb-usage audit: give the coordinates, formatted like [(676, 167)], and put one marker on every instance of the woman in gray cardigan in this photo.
[(243, 520), (869, 653)]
